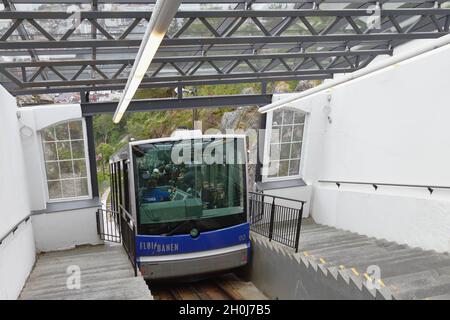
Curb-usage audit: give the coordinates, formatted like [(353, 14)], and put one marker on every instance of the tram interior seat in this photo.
[(176, 210)]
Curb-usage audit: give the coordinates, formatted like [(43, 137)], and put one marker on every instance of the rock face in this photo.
[(305, 85), (245, 120), (35, 100)]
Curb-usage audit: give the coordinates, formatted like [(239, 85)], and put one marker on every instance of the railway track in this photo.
[(226, 287)]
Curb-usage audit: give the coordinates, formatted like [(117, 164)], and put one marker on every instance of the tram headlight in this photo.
[(194, 233)]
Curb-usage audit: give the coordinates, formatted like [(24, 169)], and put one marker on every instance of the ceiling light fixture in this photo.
[(162, 16)]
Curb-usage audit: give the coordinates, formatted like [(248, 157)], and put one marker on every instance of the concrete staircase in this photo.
[(333, 264), (106, 274)]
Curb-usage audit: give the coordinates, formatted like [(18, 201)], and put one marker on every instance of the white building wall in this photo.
[(17, 252), (68, 229), (71, 224), (391, 126), (38, 118)]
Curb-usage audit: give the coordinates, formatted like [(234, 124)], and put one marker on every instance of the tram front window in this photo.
[(190, 180)]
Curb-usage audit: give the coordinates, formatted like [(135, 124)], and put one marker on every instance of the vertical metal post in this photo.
[(91, 152), (272, 219), (261, 216), (133, 240), (98, 222), (299, 224)]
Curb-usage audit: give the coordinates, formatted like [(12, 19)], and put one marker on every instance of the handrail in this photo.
[(277, 197), (375, 185), (276, 222), (14, 229), (128, 215)]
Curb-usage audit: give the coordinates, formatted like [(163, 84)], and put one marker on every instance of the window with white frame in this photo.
[(286, 138), (65, 161)]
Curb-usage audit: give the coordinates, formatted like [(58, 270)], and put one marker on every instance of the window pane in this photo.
[(64, 151), (78, 149), (277, 117), (62, 131), (50, 151), (275, 152), (52, 170), (54, 190), (81, 187), (198, 190), (48, 134), (65, 165), (80, 168), (66, 169), (285, 151), (284, 167), (273, 169), (298, 133), (275, 135), (296, 150), (294, 167), (286, 142), (76, 130), (287, 134), (288, 117), (68, 187), (299, 117)]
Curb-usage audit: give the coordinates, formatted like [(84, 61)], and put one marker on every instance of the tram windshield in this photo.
[(191, 179)]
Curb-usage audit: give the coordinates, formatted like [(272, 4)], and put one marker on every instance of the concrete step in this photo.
[(439, 297), (380, 258), (412, 273), (98, 289), (412, 264), (87, 267), (59, 281), (420, 285), (106, 273), (333, 244)]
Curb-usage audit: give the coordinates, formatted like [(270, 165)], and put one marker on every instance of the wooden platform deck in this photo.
[(105, 274)]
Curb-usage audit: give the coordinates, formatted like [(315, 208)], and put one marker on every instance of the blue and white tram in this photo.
[(188, 196)]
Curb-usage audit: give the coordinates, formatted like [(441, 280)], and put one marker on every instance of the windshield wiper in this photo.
[(179, 226)]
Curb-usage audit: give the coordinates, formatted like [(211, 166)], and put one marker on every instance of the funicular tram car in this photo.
[(188, 197)]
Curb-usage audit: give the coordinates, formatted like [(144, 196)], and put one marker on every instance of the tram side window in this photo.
[(173, 191)]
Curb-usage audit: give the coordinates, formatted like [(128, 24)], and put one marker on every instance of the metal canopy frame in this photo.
[(252, 41)]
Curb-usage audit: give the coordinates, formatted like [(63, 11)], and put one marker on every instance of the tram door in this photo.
[(120, 196), (109, 220)]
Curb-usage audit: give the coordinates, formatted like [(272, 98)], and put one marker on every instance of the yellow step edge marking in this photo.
[(367, 277), (381, 283), (306, 254), (322, 260), (341, 267), (355, 271)]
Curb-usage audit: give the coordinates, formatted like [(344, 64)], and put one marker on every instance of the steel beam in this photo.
[(225, 13), (93, 88), (175, 59), (202, 79), (90, 109), (372, 37)]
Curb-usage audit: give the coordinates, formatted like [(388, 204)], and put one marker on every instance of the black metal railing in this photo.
[(375, 185), (277, 218), (108, 225), (128, 232), (119, 227), (14, 229)]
